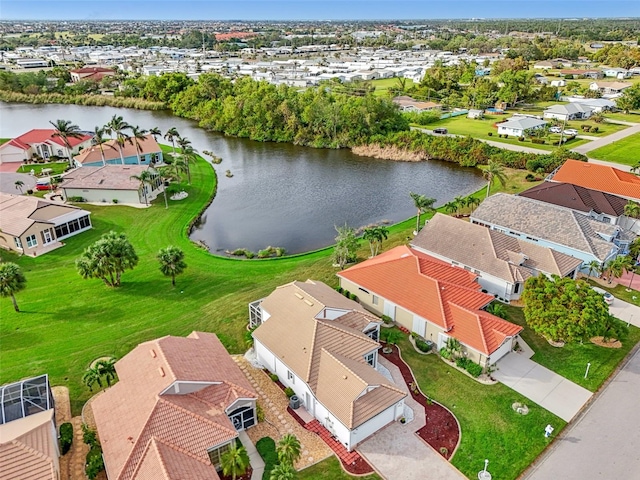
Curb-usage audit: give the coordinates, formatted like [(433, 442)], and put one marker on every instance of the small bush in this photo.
[(530, 177), (249, 254), (339, 290), (94, 462), (538, 141), (444, 451), (280, 251), (423, 346), (289, 392), (386, 319), (414, 335), (490, 134), (115, 200), (89, 436), (264, 253), (266, 447), (76, 199), (462, 362), (444, 353), (260, 413), (586, 128), (274, 377), (66, 437), (506, 136), (346, 293), (29, 192), (595, 129), (353, 296), (474, 369), (521, 139)]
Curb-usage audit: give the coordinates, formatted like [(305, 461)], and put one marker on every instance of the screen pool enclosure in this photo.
[(24, 398)]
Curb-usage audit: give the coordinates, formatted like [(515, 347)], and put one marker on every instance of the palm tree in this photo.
[(282, 471), (423, 204), (155, 133), (19, 184), (494, 171), (137, 134), (171, 262), (234, 461), (66, 130), (473, 202), (632, 210), (163, 180), (171, 136), (594, 266), (375, 235), (498, 309), (12, 280), (460, 202), (99, 140), (117, 126), (289, 449), (616, 267), (450, 207), (106, 369), (188, 155), (174, 170), (145, 178), (91, 377)]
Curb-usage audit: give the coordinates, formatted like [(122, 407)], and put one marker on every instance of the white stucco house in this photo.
[(324, 347), (520, 126), (571, 111)]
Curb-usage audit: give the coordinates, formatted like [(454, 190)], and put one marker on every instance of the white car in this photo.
[(571, 132), (608, 298), (555, 130)]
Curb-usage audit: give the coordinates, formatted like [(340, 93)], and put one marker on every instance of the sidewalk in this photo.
[(257, 464)]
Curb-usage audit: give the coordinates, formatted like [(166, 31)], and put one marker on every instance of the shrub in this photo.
[(339, 289), (266, 447), (115, 200), (595, 129), (444, 353), (66, 437), (521, 139), (386, 319), (260, 413), (249, 254), (29, 192), (89, 436), (414, 335), (264, 253), (280, 251), (353, 296), (506, 136), (530, 177), (274, 377), (76, 199), (94, 462), (539, 141), (474, 369), (423, 346), (444, 451), (586, 128), (490, 134), (289, 392), (462, 362)]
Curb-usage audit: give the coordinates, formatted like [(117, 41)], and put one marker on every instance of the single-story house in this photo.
[(28, 434), (40, 143), (475, 113), (570, 111), (599, 177), (146, 152), (33, 226), (520, 126), (324, 347), (547, 65), (558, 83), (408, 104), (111, 182), (596, 104), (177, 407), (433, 299), (502, 263), (90, 73), (559, 228), (609, 87), (614, 72)]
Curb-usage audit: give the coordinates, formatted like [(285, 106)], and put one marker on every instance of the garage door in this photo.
[(502, 351)]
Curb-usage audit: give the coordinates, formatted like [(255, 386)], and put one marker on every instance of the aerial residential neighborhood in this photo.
[(319, 249)]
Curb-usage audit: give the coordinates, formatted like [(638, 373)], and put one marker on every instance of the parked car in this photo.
[(608, 298), (555, 130), (43, 184), (571, 132), (440, 131)]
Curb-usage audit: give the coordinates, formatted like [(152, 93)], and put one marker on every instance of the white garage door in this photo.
[(502, 351)]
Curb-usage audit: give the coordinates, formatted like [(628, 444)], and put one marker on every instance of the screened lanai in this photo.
[(24, 398)]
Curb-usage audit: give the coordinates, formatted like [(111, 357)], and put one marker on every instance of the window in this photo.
[(372, 334), (46, 236), (216, 453), (18, 242), (371, 359), (374, 299), (291, 377), (243, 418), (517, 288), (31, 241)]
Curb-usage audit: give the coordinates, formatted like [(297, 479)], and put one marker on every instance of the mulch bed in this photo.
[(246, 476), (441, 430)]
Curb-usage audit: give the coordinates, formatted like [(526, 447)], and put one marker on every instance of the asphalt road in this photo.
[(8, 182)]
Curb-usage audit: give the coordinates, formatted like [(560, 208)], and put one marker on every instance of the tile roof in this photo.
[(19, 212), (134, 412), (446, 296), (548, 222), (105, 177), (577, 198), (111, 150), (490, 251), (45, 135), (599, 177), (322, 352)]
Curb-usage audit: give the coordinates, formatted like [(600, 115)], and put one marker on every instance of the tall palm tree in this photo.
[(460, 202), (423, 204), (234, 461), (66, 130), (172, 135), (632, 210), (375, 235), (594, 266), (171, 262), (100, 140), (450, 207), (163, 180), (12, 280), (138, 134), (188, 155), (145, 178), (117, 127), (473, 202), (289, 449), (174, 170), (283, 471), (19, 184), (494, 171), (155, 133), (616, 267)]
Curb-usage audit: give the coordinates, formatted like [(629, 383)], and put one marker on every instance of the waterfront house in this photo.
[(40, 143), (145, 152), (33, 226), (178, 405), (94, 74), (324, 347), (432, 299)]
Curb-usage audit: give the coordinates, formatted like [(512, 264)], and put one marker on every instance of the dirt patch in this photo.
[(610, 343), (389, 153)]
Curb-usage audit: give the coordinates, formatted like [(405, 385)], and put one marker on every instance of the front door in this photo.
[(308, 402), (46, 234)]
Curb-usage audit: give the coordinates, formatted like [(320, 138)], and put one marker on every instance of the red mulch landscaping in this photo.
[(246, 476), (441, 429)]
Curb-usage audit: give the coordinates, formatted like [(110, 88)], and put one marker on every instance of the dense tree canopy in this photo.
[(107, 259)]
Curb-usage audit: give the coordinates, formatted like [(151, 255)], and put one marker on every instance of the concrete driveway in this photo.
[(540, 385), (604, 443), (8, 182), (627, 312), (602, 141)]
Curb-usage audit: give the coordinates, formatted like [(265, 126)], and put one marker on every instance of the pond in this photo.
[(280, 195)]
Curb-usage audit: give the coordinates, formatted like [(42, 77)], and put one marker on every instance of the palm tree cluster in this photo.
[(424, 204), (458, 204), (375, 235), (101, 372), (289, 451)]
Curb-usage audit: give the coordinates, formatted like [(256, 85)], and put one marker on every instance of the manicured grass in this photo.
[(623, 151), (571, 360), (490, 427), (383, 84), (619, 291), (56, 167), (625, 117), (329, 469)]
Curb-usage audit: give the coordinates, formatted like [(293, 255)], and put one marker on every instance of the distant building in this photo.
[(91, 73), (40, 143), (408, 104)]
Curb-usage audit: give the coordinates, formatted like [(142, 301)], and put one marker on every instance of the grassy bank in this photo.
[(87, 100)]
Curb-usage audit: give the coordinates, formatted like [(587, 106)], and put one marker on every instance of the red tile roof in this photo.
[(43, 135), (92, 70), (446, 296), (599, 177)]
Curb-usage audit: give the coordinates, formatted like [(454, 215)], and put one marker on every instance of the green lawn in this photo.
[(329, 469), (571, 360), (56, 167), (623, 151), (490, 427), (382, 85), (625, 117)]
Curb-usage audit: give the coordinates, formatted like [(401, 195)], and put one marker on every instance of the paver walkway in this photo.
[(540, 385), (604, 442)]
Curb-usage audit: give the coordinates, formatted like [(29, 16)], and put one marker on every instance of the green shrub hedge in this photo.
[(66, 437), (266, 447)]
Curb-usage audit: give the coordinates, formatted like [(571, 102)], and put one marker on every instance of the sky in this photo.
[(311, 9)]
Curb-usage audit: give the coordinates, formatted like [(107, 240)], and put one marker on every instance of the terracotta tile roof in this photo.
[(45, 135), (28, 448), (164, 461), (19, 212), (134, 411), (111, 150), (490, 251), (106, 177), (577, 198), (545, 221), (599, 177), (92, 70), (446, 296), (317, 348)]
